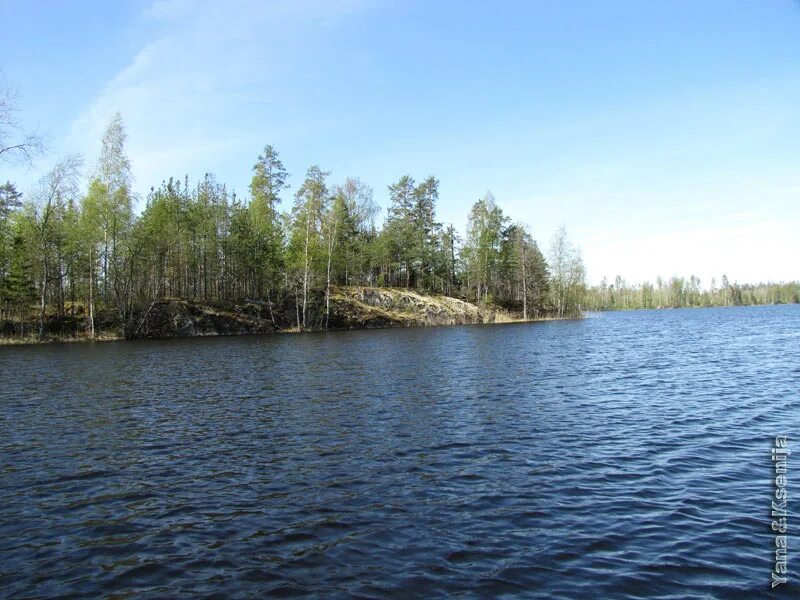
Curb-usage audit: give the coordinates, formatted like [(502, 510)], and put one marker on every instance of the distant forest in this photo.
[(680, 292), (83, 255)]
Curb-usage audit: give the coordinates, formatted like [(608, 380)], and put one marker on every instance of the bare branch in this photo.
[(16, 145)]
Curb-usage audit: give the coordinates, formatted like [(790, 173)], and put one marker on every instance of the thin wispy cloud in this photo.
[(598, 116), (184, 94)]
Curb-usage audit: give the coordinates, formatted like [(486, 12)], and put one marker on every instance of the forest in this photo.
[(680, 292), (83, 259), (77, 260)]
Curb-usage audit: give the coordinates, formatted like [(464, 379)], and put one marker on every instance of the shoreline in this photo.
[(506, 319), (347, 308), (106, 337), (663, 308)]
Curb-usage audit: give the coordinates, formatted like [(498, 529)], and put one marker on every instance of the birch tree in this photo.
[(567, 274), (305, 243), (48, 208)]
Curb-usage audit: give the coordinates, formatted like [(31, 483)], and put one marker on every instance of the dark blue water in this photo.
[(626, 455)]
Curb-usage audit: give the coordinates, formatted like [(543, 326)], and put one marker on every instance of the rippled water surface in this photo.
[(624, 455)]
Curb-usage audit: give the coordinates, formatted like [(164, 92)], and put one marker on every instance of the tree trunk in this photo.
[(91, 293), (305, 269), (269, 304), (44, 300), (297, 306), (332, 236), (105, 265), (524, 286)]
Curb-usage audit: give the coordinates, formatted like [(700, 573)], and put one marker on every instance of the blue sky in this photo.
[(664, 135)]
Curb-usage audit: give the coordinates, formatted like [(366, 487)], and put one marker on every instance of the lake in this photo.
[(624, 455)]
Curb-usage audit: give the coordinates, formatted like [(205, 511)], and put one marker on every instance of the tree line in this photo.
[(81, 256), (680, 292)]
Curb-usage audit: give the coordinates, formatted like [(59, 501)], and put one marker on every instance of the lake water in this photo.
[(625, 455)]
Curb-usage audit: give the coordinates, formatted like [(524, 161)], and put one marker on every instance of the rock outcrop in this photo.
[(358, 308), (187, 318), (350, 308)]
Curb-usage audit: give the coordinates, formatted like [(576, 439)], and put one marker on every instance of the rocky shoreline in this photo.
[(350, 308)]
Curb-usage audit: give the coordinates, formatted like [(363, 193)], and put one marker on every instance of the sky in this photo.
[(665, 136)]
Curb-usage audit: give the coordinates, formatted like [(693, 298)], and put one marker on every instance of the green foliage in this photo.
[(63, 254), (568, 275), (264, 228), (482, 249), (306, 247), (679, 292), (414, 249), (523, 275), (10, 200)]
